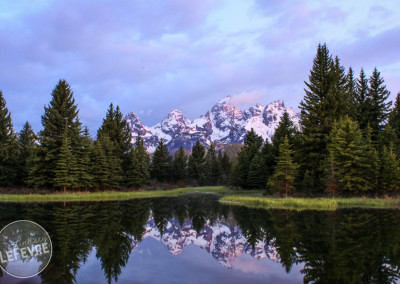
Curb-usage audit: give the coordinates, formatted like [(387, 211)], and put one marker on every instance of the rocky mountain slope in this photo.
[(223, 124)]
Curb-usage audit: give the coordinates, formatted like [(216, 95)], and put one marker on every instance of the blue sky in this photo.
[(150, 57)]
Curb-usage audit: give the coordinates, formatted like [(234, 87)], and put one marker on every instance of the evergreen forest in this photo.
[(348, 143)]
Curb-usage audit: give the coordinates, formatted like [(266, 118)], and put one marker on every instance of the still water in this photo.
[(196, 239)]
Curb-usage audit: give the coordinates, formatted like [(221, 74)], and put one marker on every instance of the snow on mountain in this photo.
[(222, 241), (224, 124)]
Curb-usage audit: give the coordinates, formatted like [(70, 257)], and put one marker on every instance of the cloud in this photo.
[(161, 55), (248, 98)]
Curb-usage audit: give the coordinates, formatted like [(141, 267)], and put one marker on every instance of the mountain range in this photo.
[(223, 124)]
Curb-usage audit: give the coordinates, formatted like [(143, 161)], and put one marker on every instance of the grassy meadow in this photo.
[(248, 198)]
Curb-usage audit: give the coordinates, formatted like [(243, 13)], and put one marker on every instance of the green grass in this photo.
[(110, 195), (310, 203), (248, 198)]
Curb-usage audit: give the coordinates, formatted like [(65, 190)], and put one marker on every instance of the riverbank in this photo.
[(311, 203), (251, 199), (110, 195)]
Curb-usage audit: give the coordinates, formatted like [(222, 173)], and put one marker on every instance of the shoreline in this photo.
[(247, 198)]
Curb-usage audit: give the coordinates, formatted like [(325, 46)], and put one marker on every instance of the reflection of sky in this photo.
[(151, 262)]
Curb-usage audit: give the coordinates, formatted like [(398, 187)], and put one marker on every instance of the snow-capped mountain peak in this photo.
[(224, 123)]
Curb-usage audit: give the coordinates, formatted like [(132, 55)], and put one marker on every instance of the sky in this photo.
[(150, 57)]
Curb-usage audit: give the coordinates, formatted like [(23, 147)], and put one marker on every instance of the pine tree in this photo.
[(139, 174), (362, 101), (212, 167), (226, 166), (351, 86), (180, 165), (251, 146), (99, 167), (60, 116), (27, 144), (379, 109), (390, 174), (8, 147), (332, 184), (326, 100), (346, 147), (284, 129), (373, 166), (313, 113), (114, 170), (394, 121), (283, 178), (196, 165), (83, 160), (117, 129), (66, 167), (255, 172), (268, 160), (161, 164), (340, 99)]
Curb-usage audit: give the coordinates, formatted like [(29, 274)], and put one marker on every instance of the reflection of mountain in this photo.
[(223, 241)]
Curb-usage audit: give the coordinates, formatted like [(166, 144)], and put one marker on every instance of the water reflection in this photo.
[(347, 246)]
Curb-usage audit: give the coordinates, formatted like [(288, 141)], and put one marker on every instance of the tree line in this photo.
[(63, 155), (348, 142)]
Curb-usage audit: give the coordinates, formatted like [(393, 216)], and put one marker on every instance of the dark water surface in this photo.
[(195, 239)]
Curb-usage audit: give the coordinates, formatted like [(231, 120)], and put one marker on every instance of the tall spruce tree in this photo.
[(8, 147), (117, 129), (326, 100), (380, 108), (347, 152), (251, 147), (285, 171), (180, 165), (27, 144), (197, 163), (161, 164), (139, 174), (61, 115)]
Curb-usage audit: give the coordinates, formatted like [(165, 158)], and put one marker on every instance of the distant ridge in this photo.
[(223, 124)]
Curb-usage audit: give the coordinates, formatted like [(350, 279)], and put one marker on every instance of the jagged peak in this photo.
[(133, 118), (176, 112), (278, 103), (257, 106), (131, 114)]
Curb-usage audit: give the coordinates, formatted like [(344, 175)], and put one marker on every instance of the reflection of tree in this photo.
[(162, 212), (78, 227), (346, 246), (116, 222)]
